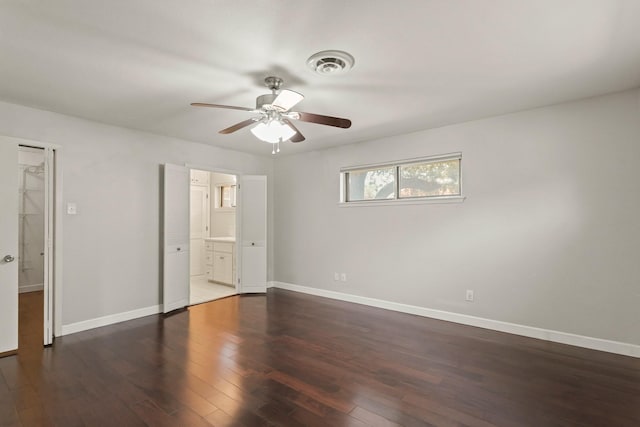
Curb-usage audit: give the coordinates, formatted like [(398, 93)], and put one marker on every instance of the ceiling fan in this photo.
[(274, 123)]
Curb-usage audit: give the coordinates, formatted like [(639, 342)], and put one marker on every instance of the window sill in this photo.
[(394, 202)]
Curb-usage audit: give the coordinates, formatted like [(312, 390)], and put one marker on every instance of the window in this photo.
[(431, 178), (371, 184), (226, 196)]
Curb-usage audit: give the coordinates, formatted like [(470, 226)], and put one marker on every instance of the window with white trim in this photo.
[(428, 178)]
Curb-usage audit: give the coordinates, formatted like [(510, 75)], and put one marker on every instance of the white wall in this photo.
[(548, 236), (111, 248), (223, 221)]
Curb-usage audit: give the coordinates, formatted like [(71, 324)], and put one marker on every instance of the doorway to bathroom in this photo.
[(212, 224)]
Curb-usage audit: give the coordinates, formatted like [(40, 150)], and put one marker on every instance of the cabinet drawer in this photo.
[(208, 246), (223, 247), (223, 267), (208, 257)]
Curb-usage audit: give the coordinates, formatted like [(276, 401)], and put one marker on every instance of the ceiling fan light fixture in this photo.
[(274, 121), (273, 132), (331, 62)]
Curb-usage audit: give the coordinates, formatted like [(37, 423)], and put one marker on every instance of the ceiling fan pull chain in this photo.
[(276, 147)]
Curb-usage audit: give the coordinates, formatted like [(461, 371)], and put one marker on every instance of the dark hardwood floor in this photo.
[(290, 359)]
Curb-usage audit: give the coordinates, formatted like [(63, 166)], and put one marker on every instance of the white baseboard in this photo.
[(617, 347), (248, 289), (30, 288), (72, 328)]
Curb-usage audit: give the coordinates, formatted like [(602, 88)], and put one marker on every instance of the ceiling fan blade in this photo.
[(298, 137), (323, 120), (237, 126), (228, 107), (286, 99)]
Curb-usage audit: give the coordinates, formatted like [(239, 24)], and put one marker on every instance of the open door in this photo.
[(8, 246), (175, 283), (49, 203), (253, 232)]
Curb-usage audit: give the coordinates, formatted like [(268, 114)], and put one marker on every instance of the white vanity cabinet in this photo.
[(220, 260), (200, 177), (208, 256), (223, 267)]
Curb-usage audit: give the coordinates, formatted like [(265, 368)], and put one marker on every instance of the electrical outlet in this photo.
[(469, 295), (343, 277), (336, 276), (72, 208)]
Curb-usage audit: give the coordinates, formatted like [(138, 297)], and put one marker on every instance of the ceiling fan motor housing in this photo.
[(273, 83)]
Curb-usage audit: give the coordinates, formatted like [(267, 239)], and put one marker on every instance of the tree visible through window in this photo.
[(372, 184), (424, 178), (430, 179)]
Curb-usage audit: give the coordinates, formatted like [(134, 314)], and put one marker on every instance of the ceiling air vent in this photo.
[(329, 62)]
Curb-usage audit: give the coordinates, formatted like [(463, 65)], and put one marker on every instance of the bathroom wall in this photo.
[(223, 221), (31, 221)]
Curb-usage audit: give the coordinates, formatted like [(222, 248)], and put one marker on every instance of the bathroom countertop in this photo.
[(220, 239)]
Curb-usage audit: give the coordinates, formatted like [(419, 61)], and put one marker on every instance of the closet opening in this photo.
[(31, 248), (212, 224), (30, 261)]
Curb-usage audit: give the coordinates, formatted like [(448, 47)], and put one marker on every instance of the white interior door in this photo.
[(49, 203), (175, 283), (199, 226), (253, 232), (8, 246)]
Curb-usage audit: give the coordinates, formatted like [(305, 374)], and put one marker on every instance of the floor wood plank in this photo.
[(288, 359)]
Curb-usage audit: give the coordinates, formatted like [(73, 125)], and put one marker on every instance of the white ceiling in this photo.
[(419, 63)]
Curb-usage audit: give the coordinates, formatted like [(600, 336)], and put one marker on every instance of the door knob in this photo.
[(8, 258)]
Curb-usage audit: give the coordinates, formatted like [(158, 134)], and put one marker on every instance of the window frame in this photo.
[(397, 200)]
